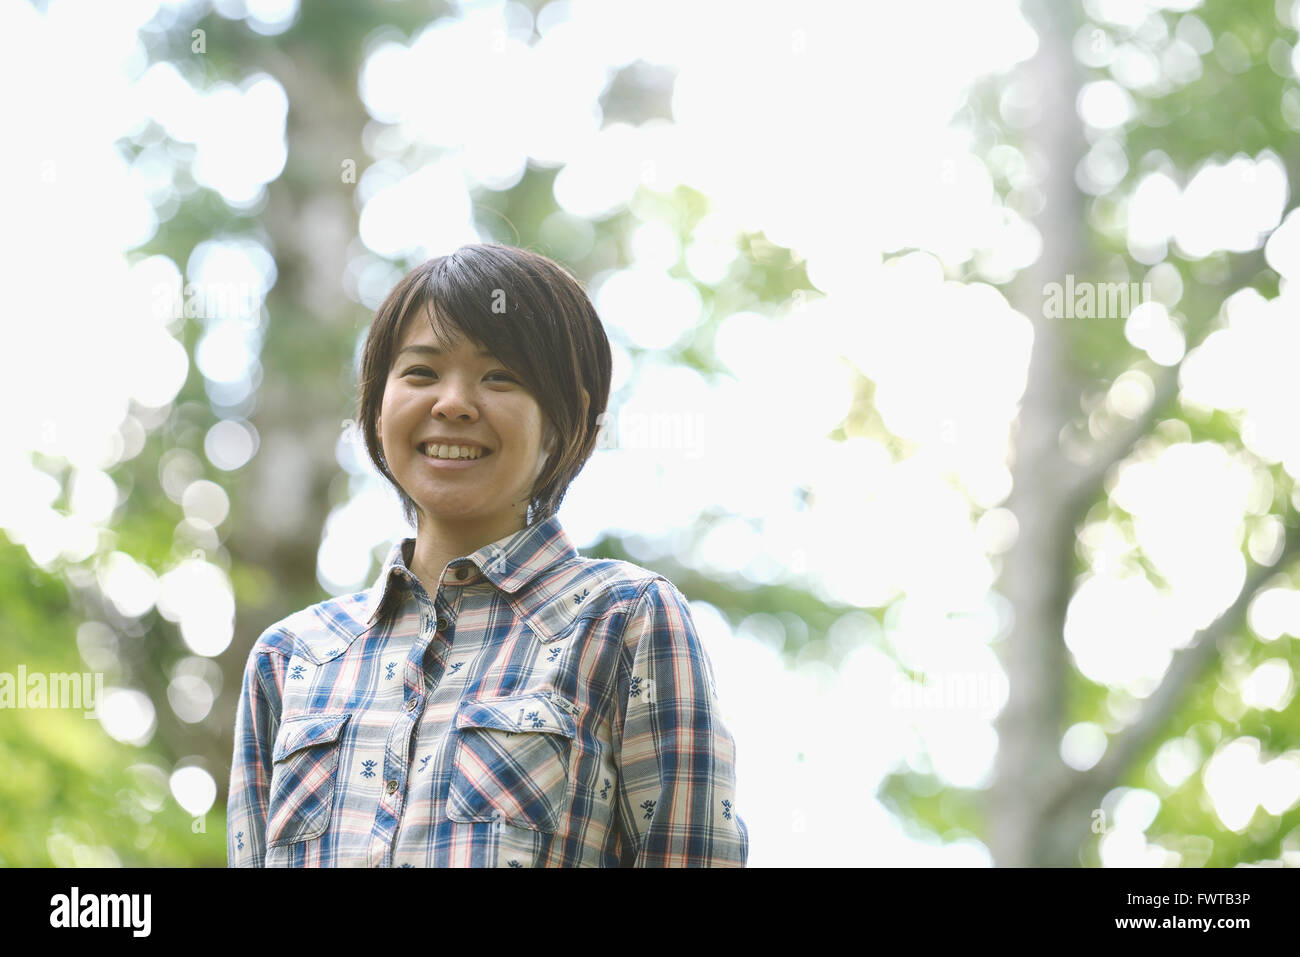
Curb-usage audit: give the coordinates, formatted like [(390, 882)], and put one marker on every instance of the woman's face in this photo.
[(468, 398)]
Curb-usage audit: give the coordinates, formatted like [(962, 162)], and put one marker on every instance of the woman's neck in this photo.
[(436, 546)]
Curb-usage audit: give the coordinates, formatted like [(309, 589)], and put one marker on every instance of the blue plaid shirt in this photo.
[(541, 710)]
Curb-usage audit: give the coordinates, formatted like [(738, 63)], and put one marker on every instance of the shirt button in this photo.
[(442, 624), (391, 787), (410, 705), (462, 573)]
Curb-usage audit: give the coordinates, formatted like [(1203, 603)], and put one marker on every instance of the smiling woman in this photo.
[(494, 699)]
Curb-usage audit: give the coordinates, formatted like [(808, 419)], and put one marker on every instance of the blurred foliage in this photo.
[(1235, 106), (72, 795), (77, 796)]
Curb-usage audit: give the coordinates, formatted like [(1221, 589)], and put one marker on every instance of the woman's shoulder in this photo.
[(587, 588), (320, 631)]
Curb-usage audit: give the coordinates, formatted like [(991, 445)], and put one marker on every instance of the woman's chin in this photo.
[(447, 511)]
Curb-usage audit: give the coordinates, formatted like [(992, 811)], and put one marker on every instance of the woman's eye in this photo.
[(425, 372)]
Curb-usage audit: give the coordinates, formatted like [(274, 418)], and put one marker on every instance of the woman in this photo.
[(495, 699)]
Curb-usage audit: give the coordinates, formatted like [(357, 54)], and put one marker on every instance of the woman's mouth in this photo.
[(452, 456), (453, 452)]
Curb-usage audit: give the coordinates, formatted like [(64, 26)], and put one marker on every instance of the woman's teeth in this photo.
[(452, 452)]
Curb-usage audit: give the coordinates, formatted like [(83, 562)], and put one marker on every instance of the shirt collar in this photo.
[(509, 563)]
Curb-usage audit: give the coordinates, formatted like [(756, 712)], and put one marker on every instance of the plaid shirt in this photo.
[(542, 710)]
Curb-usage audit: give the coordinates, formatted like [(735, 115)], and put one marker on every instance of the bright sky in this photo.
[(789, 129)]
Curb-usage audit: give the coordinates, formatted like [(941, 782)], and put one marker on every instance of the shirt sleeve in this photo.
[(256, 723), (676, 759)]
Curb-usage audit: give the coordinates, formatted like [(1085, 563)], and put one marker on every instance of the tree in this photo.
[(1039, 811)]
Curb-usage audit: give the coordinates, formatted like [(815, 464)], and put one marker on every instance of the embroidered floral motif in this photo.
[(408, 865), (367, 769), (515, 864), (726, 810), (577, 599), (635, 690), (604, 792), (424, 763), (239, 839), (296, 672), (389, 672), (649, 808), (553, 654), (537, 721), (455, 668)]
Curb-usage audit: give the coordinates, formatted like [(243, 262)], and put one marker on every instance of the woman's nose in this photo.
[(453, 397)]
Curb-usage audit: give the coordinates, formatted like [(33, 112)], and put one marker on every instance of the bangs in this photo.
[(453, 308)]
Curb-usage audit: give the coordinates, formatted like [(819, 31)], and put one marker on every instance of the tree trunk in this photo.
[(1037, 573), (285, 490)]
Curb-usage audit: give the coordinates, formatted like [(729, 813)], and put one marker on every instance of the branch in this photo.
[(1086, 485), (1188, 665), (1088, 481)]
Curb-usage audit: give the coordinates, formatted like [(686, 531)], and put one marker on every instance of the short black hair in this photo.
[(529, 312)]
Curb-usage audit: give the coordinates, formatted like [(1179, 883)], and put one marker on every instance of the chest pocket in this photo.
[(305, 766), (512, 761)]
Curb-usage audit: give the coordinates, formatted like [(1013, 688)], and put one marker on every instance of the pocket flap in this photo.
[(537, 711), (306, 730)]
